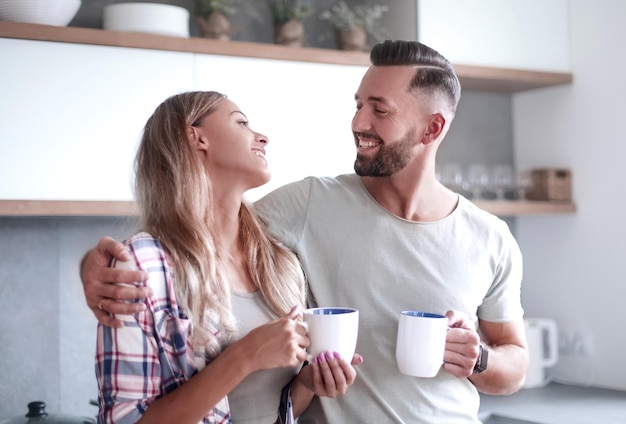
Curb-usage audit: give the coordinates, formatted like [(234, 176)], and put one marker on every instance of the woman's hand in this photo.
[(329, 375), (279, 343), (103, 293)]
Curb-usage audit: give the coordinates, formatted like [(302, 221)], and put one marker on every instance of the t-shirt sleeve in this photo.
[(284, 211), (503, 300)]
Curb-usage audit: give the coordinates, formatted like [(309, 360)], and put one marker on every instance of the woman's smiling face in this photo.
[(235, 154)]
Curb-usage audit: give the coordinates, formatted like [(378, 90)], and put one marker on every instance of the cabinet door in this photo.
[(529, 34), (71, 116), (305, 109)]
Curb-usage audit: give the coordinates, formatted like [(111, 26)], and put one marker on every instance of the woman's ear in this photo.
[(435, 128), (196, 138)]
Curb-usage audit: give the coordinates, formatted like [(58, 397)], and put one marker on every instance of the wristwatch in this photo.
[(481, 362)]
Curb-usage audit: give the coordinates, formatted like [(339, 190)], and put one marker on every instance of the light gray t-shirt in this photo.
[(256, 399), (357, 254)]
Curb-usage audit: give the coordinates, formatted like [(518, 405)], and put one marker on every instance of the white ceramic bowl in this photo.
[(162, 19), (45, 12)]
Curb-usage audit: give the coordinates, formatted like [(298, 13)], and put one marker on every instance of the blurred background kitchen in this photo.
[(70, 115)]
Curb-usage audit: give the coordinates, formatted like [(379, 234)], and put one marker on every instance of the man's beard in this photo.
[(390, 159)]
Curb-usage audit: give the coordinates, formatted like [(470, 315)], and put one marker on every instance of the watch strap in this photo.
[(481, 362)]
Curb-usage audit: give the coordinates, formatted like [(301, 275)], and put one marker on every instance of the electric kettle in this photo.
[(543, 350)]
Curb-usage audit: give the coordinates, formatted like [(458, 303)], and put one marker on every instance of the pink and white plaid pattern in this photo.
[(151, 355)]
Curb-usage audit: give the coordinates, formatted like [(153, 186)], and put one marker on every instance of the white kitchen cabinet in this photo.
[(83, 114), (309, 132), (520, 34), (71, 115), (74, 101)]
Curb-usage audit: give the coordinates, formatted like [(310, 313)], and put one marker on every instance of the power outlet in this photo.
[(575, 343)]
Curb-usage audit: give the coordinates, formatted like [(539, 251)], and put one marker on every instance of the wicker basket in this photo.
[(551, 184)]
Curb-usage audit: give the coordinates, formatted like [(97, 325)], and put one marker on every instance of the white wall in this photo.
[(573, 264)]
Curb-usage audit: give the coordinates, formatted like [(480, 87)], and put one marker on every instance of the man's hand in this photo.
[(101, 283), (462, 345)]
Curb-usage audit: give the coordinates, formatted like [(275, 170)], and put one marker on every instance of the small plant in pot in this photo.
[(287, 17), (356, 26), (212, 17)]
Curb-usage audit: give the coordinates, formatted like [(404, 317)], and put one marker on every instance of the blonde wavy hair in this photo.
[(173, 192)]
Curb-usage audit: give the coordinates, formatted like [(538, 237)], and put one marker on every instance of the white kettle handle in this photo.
[(548, 326)]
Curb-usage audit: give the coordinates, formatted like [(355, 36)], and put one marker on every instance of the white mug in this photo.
[(421, 343), (332, 330)]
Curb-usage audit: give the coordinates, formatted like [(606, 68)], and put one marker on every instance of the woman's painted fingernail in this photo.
[(329, 356), (315, 360), (293, 308), (338, 356), (322, 358)]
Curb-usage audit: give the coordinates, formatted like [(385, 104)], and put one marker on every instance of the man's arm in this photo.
[(508, 357), (103, 293), (507, 353)]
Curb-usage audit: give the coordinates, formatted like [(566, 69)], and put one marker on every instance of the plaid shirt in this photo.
[(152, 355)]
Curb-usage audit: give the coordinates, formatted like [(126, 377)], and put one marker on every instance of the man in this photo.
[(392, 238)]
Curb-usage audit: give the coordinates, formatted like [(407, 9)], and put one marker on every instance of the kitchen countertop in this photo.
[(559, 404)]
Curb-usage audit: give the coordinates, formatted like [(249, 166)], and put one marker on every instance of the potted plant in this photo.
[(287, 17), (212, 17), (354, 26)]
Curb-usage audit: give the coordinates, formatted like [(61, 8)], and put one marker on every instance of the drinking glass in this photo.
[(503, 180), (478, 179), (452, 176), (523, 183)]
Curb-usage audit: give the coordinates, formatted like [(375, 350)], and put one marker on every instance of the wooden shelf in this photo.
[(507, 208), (473, 78), (67, 208), (127, 208)]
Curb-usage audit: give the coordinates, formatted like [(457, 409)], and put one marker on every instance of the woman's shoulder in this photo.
[(147, 254), (143, 240), (145, 249)]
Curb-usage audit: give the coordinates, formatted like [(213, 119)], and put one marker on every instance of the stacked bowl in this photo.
[(45, 12), (152, 18)]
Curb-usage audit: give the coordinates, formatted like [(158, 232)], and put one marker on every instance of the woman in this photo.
[(222, 319)]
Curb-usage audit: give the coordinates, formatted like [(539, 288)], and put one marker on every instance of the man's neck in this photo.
[(421, 199)]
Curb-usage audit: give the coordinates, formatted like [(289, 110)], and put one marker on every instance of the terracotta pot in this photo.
[(291, 33), (352, 39), (216, 26)]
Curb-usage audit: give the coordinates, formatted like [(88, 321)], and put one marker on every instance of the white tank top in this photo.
[(256, 399)]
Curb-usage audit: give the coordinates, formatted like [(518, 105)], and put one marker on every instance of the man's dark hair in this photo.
[(434, 74)]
